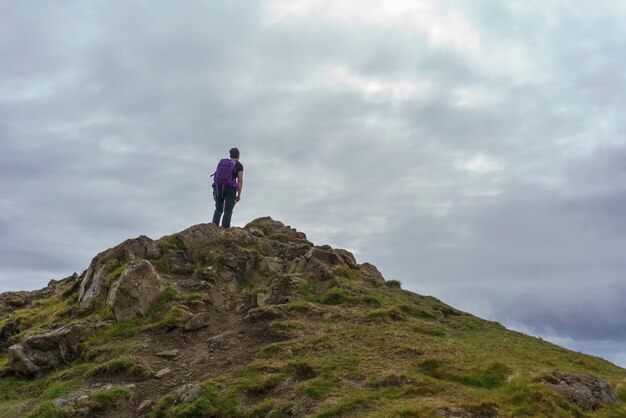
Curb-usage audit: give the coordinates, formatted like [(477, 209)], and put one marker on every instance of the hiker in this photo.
[(227, 185)]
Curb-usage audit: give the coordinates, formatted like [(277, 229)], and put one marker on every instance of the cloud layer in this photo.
[(474, 151)]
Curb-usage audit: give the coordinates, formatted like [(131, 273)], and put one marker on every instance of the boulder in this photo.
[(224, 341), (38, 353), (103, 263), (188, 393), (371, 275), (200, 320), (135, 291), (587, 391)]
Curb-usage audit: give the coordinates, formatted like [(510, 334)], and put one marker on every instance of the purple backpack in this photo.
[(225, 174)]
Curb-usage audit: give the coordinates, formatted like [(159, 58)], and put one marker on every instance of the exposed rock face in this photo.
[(135, 291), (38, 353), (586, 391), (129, 250), (265, 251)]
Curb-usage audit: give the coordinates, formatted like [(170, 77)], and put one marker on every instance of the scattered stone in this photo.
[(162, 372), (224, 341), (60, 402), (82, 401), (169, 354), (145, 406), (201, 320), (188, 393), (261, 299), (587, 391), (135, 291)]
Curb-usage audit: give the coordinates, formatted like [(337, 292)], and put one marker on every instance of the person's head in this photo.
[(234, 153)]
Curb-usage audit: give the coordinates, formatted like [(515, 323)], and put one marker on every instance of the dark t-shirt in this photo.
[(238, 168)]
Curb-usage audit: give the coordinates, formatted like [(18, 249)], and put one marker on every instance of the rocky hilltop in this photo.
[(260, 322)]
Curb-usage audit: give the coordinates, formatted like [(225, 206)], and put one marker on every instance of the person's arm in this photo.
[(239, 186)]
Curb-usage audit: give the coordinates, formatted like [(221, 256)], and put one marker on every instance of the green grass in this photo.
[(120, 366), (393, 284), (334, 297), (271, 350), (108, 399), (175, 318), (429, 330), (167, 295), (318, 388), (392, 313), (46, 410), (305, 288), (298, 306), (346, 273), (117, 331)]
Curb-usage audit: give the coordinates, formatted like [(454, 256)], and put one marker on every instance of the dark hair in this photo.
[(234, 153)]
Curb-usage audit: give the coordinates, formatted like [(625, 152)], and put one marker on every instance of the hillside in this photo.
[(259, 322)]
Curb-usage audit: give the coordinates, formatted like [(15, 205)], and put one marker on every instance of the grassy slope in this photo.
[(387, 352), (353, 352)]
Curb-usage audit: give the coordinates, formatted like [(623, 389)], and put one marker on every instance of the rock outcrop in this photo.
[(265, 251), (586, 391), (133, 293), (38, 353), (129, 250)]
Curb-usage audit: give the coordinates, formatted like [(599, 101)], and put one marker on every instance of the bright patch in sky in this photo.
[(373, 88), (441, 28), (479, 164)]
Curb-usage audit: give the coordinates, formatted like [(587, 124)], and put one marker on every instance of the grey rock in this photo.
[(162, 372), (90, 287), (169, 354), (587, 391), (135, 291), (371, 275), (216, 297), (82, 401), (37, 353), (188, 393), (60, 402), (261, 299), (145, 406), (200, 320), (224, 341)]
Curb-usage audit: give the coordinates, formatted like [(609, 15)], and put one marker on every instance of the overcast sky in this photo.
[(475, 151)]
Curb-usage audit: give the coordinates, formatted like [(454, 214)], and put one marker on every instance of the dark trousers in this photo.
[(224, 203)]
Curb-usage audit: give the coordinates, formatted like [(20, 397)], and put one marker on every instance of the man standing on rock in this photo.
[(227, 186)]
